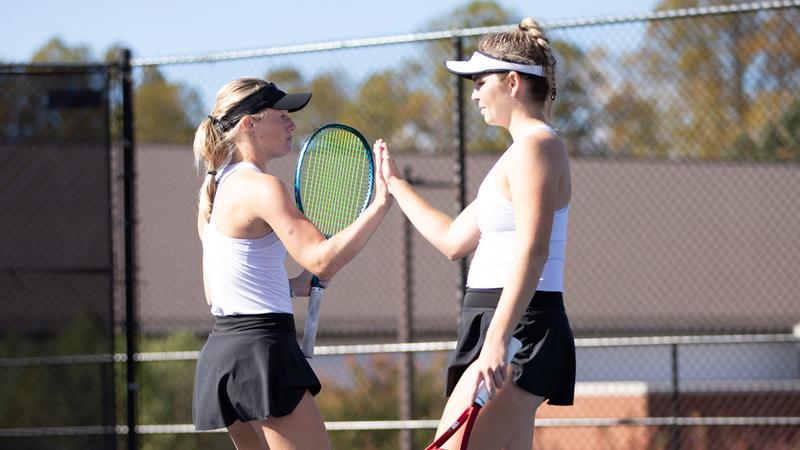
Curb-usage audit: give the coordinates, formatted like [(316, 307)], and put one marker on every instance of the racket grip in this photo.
[(514, 345), (312, 321)]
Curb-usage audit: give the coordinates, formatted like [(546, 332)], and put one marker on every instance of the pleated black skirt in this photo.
[(545, 366), (250, 368)]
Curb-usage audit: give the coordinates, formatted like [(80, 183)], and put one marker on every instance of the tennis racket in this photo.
[(333, 185), (467, 418)]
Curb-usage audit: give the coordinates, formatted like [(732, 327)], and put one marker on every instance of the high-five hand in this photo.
[(381, 188), (389, 168)]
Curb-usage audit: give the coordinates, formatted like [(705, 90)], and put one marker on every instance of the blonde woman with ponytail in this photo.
[(517, 227), (252, 378)]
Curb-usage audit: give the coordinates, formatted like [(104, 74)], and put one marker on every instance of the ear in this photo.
[(514, 81)]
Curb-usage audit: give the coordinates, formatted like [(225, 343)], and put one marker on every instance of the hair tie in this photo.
[(212, 172), (213, 119)]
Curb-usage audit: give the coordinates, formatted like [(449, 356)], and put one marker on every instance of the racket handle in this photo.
[(514, 345), (312, 321)]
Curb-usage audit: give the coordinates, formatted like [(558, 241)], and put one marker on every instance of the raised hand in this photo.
[(381, 188), (388, 166)]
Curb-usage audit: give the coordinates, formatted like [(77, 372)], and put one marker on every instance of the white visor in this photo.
[(480, 63)]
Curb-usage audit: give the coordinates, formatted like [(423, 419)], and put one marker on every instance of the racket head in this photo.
[(334, 177)]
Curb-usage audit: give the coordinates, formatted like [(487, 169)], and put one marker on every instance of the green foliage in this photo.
[(56, 51), (778, 140), (164, 112), (57, 394), (371, 392), (709, 87)]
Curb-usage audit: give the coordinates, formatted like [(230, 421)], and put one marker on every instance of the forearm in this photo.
[(433, 224), (342, 247)]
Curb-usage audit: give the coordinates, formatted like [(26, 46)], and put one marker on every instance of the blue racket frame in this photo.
[(315, 298), (298, 197)]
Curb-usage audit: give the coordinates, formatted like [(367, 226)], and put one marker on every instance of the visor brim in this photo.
[(292, 102)]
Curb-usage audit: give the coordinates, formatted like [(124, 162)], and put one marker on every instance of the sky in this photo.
[(153, 28)]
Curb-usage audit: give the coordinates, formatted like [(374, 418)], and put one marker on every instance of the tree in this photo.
[(480, 138), (56, 51), (56, 106), (712, 78), (163, 111), (328, 98), (573, 111)]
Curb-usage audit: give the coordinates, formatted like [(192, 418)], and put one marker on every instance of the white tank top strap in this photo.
[(540, 127), (529, 131), (226, 171), (223, 175)]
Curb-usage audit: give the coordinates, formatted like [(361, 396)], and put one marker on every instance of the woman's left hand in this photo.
[(382, 195), (301, 284)]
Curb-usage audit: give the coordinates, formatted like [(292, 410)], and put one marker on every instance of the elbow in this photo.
[(323, 270), (326, 273), (453, 256), (536, 251), (454, 253), (326, 268), (540, 255)]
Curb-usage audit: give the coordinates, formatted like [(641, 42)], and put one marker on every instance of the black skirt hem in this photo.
[(250, 368), (544, 366)]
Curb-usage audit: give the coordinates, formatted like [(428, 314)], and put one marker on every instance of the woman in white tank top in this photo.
[(517, 226), (252, 377)]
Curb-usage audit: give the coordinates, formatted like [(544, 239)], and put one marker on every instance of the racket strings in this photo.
[(335, 180)]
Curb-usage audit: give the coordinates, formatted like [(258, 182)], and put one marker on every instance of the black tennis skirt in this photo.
[(250, 368), (545, 366)]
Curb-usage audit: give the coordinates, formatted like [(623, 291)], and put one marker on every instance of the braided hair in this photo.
[(527, 44)]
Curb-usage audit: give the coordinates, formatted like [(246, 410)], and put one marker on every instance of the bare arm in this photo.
[(533, 170), (455, 238), (304, 242)]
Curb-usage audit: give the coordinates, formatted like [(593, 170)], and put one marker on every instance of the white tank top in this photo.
[(497, 247), (244, 276)]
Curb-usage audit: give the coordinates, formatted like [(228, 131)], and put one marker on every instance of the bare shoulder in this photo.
[(261, 184), (538, 148)]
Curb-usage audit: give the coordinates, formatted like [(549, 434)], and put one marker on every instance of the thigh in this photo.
[(244, 437), (456, 403), (302, 429), (507, 419)]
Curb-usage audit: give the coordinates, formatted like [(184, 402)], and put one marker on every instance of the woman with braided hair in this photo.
[(517, 227)]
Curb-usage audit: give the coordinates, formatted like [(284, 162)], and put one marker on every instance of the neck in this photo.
[(520, 123), (244, 153), (525, 114)]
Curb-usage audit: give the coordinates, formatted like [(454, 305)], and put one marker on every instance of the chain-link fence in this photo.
[(56, 271), (681, 267)]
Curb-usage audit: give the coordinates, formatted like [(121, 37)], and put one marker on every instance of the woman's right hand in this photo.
[(382, 193)]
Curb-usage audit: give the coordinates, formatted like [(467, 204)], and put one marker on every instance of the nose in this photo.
[(474, 95), (292, 126)]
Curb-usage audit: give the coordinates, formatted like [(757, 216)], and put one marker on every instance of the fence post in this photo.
[(676, 429), (405, 331), (460, 161), (128, 175)]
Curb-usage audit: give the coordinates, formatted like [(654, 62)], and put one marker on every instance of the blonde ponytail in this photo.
[(214, 148)]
